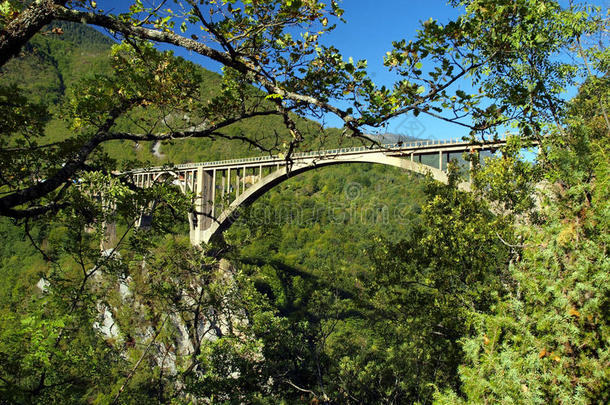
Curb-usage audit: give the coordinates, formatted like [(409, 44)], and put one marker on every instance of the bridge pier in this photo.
[(204, 183)]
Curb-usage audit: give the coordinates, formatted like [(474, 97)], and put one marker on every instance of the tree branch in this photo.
[(135, 367), (241, 64), (32, 193), (19, 31)]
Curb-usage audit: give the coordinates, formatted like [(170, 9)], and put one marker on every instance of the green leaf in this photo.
[(274, 96)]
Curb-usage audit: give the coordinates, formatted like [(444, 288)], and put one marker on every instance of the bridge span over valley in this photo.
[(221, 188)]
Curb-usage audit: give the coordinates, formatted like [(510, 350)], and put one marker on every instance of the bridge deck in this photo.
[(398, 149)]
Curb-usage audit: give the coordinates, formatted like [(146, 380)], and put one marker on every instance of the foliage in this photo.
[(310, 305), (547, 339), (416, 302)]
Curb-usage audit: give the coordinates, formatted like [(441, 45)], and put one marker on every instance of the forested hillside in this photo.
[(54, 62), (350, 284), (360, 201), (314, 232)]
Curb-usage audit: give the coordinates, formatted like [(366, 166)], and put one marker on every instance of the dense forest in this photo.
[(348, 284)]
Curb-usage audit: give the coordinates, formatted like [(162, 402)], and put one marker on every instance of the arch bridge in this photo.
[(222, 187)]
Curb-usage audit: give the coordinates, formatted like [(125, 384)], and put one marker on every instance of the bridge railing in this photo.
[(398, 146)]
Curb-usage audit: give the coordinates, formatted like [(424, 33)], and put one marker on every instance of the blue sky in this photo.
[(371, 27), (368, 34)]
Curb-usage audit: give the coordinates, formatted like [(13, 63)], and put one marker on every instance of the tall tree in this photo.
[(546, 339), (257, 44)]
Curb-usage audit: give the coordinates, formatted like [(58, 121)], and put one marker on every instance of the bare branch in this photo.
[(300, 389), (135, 367)]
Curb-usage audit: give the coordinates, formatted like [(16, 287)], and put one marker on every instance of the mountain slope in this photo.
[(65, 53)]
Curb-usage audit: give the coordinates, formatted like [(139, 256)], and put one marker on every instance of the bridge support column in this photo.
[(204, 203), (236, 182), (222, 184), (109, 239), (213, 199)]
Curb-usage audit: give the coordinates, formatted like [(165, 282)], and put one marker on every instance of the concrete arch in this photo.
[(229, 215)]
